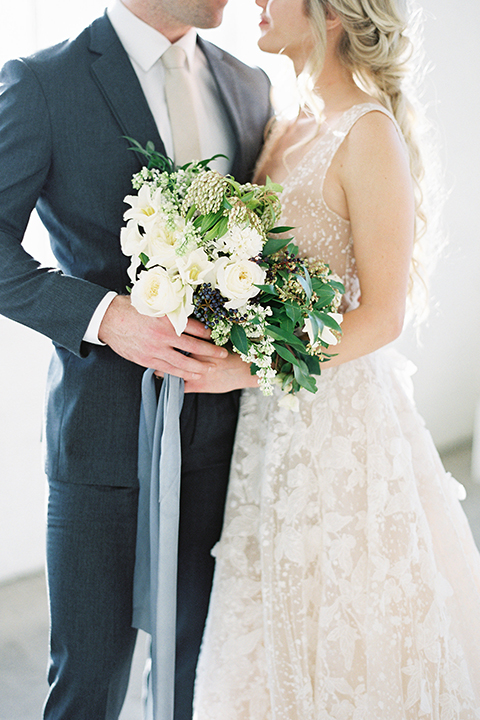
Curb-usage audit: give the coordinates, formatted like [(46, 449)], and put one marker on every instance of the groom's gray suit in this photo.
[(63, 113)]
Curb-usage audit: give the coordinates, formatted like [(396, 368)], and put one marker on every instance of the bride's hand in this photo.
[(224, 375)]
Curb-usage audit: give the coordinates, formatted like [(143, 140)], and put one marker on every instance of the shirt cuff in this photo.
[(91, 334)]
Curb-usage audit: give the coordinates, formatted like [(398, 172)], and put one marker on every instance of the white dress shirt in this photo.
[(144, 46)]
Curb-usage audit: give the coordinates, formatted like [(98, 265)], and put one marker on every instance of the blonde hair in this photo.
[(376, 47)]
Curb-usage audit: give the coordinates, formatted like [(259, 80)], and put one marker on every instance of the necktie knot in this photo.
[(174, 57)]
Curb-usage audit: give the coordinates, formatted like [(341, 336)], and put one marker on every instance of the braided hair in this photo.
[(376, 47)]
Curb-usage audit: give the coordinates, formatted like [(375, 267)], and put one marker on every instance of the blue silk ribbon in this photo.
[(155, 580)]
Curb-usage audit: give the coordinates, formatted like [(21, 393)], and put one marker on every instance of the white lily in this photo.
[(195, 268)]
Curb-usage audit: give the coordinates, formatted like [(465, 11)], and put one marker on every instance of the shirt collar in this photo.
[(143, 43)]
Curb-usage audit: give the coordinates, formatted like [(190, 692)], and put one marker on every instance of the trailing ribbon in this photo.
[(155, 579)]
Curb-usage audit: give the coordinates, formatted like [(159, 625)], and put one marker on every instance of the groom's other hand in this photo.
[(153, 342)]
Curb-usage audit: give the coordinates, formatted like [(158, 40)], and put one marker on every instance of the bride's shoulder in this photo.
[(373, 150), (373, 123), (372, 131)]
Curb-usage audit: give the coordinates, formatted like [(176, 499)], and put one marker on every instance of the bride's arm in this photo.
[(371, 169)]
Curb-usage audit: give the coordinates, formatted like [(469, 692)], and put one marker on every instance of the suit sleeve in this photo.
[(45, 299)]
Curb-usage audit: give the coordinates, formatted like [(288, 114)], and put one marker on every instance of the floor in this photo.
[(24, 626)]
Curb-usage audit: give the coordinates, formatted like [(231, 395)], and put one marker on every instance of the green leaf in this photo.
[(273, 245), (219, 229), (238, 337), (191, 212), (293, 312), (286, 354), (144, 259), (281, 229), (206, 222), (313, 364), (306, 284), (328, 321), (206, 163), (274, 187), (304, 380), (325, 294), (317, 325), (268, 289), (280, 334)]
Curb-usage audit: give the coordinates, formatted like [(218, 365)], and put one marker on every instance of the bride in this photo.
[(347, 582)]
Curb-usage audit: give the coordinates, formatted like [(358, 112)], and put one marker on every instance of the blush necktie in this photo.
[(181, 109)]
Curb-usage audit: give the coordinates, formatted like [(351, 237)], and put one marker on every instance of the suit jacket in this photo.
[(63, 113)]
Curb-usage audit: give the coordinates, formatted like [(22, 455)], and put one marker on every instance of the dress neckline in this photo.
[(336, 129)]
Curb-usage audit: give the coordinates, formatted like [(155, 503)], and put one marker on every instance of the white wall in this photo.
[(448, 378), (447, 383)]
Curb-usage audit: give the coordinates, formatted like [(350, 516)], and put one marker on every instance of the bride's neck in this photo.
[(336, 86)]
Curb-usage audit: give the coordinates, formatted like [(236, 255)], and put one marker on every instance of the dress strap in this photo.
[(335, 135)]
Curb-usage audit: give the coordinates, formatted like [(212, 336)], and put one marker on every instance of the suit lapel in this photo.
[(228, 87), (118, 82)]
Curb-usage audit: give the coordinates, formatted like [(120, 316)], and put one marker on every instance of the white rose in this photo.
[(236, 280), (243, 243), (156, 293)]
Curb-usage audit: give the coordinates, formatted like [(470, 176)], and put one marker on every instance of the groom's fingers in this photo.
[(153, 342)]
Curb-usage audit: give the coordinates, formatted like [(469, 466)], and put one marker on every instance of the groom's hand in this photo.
[(153, 342)]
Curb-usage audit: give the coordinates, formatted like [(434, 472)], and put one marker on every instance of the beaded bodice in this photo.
[(319, 231)]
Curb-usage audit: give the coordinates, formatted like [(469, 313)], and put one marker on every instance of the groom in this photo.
[(63, 116)]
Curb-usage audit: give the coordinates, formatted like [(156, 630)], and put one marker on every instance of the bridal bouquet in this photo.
[(203, 245)]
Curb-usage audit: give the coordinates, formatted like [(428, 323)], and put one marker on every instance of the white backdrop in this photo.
[(448, 378)]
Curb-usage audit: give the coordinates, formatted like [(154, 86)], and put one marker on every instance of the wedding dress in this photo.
[(347, 582)]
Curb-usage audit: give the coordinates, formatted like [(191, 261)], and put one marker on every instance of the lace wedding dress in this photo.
[(347, 581)]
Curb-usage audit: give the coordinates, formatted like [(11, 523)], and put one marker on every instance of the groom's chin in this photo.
[(212, 15)]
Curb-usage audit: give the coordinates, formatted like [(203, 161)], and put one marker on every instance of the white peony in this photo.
[(243, 243), (236, 280), (326, 334), (157, 293)]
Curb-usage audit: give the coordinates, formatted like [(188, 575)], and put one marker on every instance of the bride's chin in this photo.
[(266, 46)]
